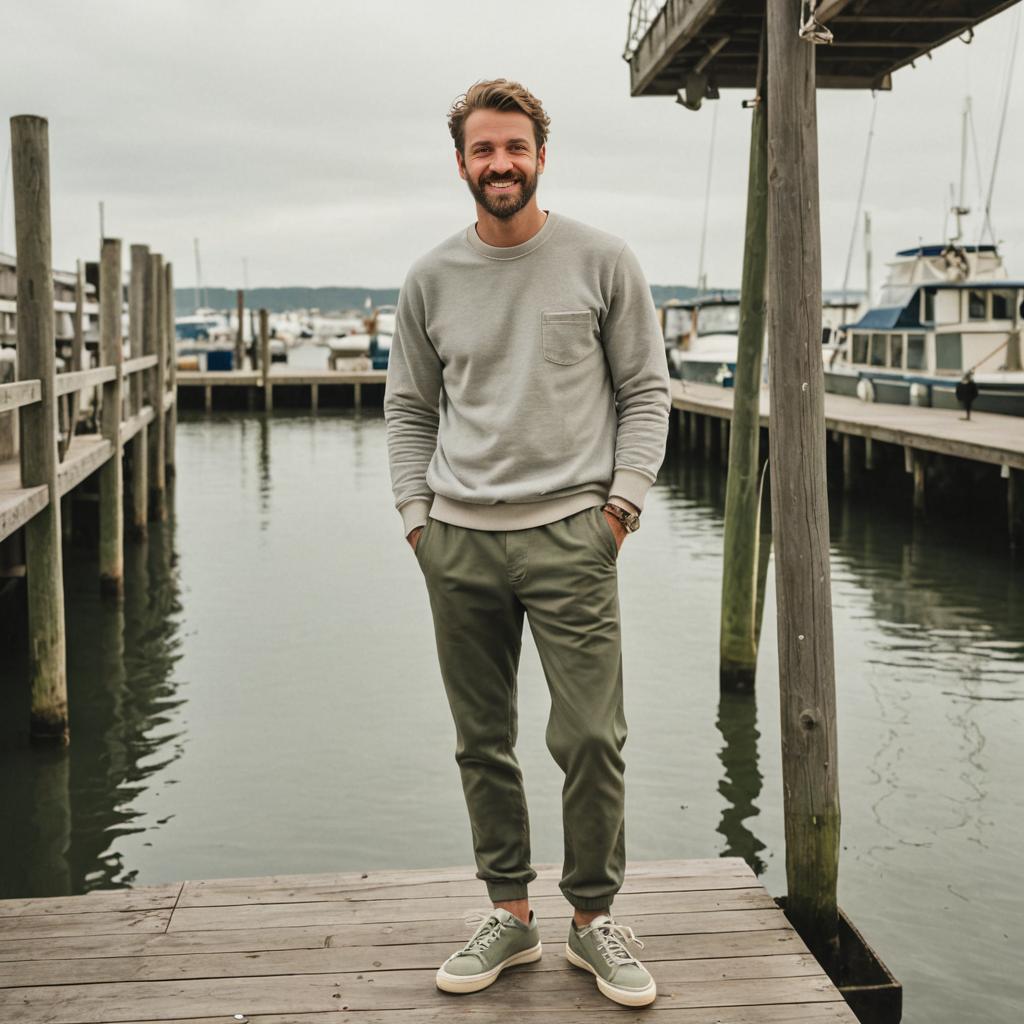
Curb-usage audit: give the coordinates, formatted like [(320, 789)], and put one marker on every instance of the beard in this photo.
[(503, 206)]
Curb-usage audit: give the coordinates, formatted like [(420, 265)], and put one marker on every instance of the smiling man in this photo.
[(527, 411)]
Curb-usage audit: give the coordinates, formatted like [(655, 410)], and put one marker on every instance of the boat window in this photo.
[(878, 347), (928, 316), (915, 351), (975, 305), (948, 352), (860, 348), (1002, 305), (896, 351), (718, 320)]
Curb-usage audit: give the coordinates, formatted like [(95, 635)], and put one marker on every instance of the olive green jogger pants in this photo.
[(563, 577)]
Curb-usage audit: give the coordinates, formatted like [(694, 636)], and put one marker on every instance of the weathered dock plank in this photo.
[(449, 930), (721, 950), (726, 954), (346, 912), (525, 989), (219, 893), (787, 1013)]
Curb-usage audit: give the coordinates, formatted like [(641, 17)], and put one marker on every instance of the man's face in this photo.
[(500, 162)]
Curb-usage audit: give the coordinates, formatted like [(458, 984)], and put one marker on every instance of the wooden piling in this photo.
[(171, 421), (314, 397), (111, 481), (77, 351), (800, 518), (357, 398), (268, 388), (917, 466), (30, 163), (849, 465), (240, 333), (740, 621), (138, 447), (154, 339), (1015, 509)]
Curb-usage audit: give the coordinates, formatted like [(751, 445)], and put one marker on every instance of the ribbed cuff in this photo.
[(502, 892), (414, 513), (631, 485), (590, 902)]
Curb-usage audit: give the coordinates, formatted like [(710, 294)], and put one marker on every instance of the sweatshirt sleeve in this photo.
[(635, 351), (411, 398)]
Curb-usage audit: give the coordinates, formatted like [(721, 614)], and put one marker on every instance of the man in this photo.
[(527, 410), (967, 392)]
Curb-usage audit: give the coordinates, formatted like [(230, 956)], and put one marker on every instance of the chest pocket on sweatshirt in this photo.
[(567, 337)]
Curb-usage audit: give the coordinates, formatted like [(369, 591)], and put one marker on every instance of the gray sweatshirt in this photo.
[(526, 383)]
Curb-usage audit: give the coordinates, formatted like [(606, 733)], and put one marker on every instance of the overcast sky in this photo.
[(309, 136)]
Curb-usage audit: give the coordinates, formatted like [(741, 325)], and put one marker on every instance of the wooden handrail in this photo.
[(19, 393), (139, 363), (77, 380)]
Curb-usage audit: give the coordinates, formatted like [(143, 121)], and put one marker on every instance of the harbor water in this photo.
[(267, 701)]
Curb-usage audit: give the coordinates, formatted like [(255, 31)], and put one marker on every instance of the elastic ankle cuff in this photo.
[(503, 892), (590, 903)]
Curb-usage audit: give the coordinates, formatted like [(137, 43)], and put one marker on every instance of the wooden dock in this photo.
[(363, 948), (264, 385), (926, 437)]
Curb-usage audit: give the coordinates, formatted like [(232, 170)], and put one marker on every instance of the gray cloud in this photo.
[(310, 138)]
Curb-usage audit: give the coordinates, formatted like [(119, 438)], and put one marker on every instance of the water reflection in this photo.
[(740, 784), (63, 810)]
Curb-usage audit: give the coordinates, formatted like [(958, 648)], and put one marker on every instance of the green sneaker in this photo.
[(600, 948), (499, 941)]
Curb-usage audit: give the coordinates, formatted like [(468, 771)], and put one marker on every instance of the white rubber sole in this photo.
[(623, 996), (462, 983)]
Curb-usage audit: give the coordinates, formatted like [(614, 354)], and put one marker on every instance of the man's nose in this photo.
[(500, 163)]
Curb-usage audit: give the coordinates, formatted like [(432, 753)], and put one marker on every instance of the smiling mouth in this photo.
[(502, 186)]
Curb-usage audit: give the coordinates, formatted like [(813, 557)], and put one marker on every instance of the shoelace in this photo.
[(487, 928), (614, 937)]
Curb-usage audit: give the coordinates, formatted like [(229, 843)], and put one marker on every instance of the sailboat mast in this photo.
[(199, 273)]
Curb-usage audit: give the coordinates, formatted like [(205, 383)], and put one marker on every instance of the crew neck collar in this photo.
[(512, 252)]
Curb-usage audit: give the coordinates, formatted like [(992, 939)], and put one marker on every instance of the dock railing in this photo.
[(32, 484)]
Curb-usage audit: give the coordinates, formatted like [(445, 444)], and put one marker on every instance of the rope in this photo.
[(811, 30), (971, 369), (860, 199), (999, 138)]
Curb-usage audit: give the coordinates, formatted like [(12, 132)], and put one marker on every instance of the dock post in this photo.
[(314, 397), (268, 388), (357, 398), (709, 437), (916, 463), (30, 163), (849, 464), (111, 480), (800, 520), (723, 441), (1015, 509), (240, 333), (157, 382), (138, 447), (869, 453), (691, 431), (740, 619), (208, 397), (171, 423)]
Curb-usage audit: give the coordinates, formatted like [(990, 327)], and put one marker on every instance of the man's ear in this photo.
[(542, 155), (461, 164)]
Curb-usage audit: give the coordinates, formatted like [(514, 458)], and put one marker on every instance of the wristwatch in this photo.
[(630, 520)]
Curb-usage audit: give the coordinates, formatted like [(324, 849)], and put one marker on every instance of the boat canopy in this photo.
[(883, 318), (938, 250)]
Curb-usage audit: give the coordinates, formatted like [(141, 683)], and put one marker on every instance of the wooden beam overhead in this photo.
[(687, 36)]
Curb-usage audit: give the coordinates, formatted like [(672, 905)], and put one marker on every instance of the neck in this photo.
[(506, 232)]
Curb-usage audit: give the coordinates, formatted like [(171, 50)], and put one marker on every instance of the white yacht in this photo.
[(944, 311)]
